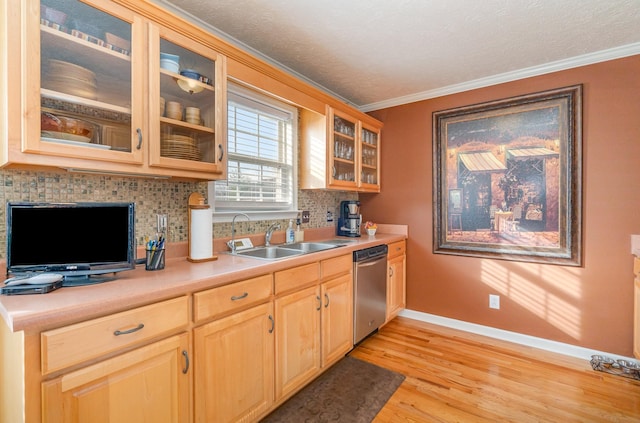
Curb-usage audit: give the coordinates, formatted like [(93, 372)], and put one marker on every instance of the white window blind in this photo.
[(261, 160)]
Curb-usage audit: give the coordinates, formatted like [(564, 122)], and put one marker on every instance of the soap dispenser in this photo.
[(290, 233)]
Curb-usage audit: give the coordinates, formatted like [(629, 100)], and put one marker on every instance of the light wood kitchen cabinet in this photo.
[(234, 366), (396, 280), (337, 318), (150, 384), (314, 325), (91, 381), (636, 307), (297, 339), (86, 94), (340, 151), (337, 308)]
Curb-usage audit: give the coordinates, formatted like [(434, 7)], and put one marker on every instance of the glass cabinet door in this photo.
[(90, 106), (343, 150), (188, 104), (369, 159)]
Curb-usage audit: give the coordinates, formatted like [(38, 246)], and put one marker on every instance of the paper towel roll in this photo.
[(201, 234)]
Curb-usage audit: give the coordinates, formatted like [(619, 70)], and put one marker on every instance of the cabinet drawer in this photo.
[(397, 249), (217, 301), (84, 341), (336, 266), (296, 277)]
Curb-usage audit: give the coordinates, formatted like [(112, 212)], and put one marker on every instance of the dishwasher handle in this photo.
[(371, 262)]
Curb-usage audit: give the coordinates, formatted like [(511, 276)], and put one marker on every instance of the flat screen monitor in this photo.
[(85, 242)]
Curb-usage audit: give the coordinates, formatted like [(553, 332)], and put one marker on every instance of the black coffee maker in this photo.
[(350, 218)]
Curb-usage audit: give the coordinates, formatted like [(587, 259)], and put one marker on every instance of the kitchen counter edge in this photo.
[(135, 288)]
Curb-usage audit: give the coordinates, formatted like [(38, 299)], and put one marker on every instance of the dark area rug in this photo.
[(350, 391)]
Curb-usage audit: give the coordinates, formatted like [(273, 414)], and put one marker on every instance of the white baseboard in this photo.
[(518, 338)]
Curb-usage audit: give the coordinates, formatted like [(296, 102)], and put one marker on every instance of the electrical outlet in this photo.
[(329, 216), (494, 301), (306, 216), (162, 223)]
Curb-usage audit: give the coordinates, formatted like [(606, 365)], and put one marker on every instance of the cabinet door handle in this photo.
[(319, 302), (139, 131), (273, 324), (128, 331), (326, 297), (186, 362), (221, 152), (390, 271), (239, 297)]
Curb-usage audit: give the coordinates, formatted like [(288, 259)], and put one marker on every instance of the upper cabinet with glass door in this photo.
[(339, 151), (369, 159), (187, 102), (343, 150), (90, 98)]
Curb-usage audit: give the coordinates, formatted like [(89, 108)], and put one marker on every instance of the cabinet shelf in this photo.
[(95, 104), (78, 50), (339, 160), (175, 77), (344, 136), (187, 125)]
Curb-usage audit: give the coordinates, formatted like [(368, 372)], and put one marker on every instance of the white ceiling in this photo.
[(380, 53)]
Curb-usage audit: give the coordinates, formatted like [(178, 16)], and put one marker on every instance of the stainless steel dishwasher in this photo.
[(370, 290)]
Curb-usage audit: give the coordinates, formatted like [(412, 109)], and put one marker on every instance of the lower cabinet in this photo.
[(337, 318), (314, 325), (298, 339), (636, 308), (150, 384), (234, 366), (396, 280)]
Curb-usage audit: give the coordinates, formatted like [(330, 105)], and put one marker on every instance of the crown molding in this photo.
[(559, 65)]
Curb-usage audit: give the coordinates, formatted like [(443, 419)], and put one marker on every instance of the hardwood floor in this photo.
[(454, 376)]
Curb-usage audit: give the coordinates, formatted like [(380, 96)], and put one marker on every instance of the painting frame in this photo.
[(517, 163)]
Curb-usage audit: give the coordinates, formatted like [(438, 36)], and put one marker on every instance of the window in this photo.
[(261, 156)]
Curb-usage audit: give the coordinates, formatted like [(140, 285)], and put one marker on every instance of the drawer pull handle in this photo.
[(186, 361), (128, 331), (273, 324), (139, 131), (239, 297)]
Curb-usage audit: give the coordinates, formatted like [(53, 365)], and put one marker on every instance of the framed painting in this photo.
[(508, 178)]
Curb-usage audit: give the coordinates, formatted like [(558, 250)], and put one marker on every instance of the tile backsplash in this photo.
[(151, 196)]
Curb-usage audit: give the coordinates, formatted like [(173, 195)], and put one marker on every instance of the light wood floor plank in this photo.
[(455, 376)]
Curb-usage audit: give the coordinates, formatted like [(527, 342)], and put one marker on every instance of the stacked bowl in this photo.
[(170, 62)]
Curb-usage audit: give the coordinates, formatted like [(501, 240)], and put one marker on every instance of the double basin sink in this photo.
[(277, 252)]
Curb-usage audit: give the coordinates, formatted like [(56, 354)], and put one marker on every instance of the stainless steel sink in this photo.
[(269, 253), (277, 252), (308, 247)]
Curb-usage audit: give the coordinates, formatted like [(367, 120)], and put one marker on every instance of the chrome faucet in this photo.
[(267, 235), (232, 243)]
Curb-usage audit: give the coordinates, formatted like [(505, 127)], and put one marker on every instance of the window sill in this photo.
[(220, 217)]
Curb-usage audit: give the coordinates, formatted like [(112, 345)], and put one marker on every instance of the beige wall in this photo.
[(589, 306)]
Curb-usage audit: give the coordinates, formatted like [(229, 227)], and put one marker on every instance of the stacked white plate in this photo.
[(70, 78), (179, 147)]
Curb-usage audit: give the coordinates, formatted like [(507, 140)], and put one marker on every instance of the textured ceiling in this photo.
[(376, 53)]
